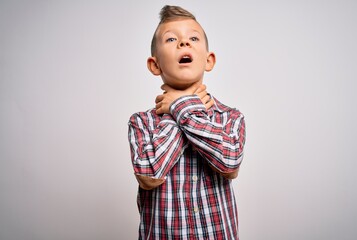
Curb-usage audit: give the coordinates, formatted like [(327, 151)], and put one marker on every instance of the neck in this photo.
[(186, 86)]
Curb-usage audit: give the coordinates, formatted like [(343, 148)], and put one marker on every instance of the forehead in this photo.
[(179, 25)]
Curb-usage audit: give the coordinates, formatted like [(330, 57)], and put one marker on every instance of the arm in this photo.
[(154, 152), (221, 144)]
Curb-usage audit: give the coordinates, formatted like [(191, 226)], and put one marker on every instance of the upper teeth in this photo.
[(186, 57)]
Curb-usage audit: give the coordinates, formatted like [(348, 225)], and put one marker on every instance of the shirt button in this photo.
[(194, 178), (195, 209)]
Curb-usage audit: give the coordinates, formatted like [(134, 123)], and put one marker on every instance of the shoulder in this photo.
[(224, 109)]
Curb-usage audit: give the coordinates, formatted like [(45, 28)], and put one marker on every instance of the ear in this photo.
[(211, 61), (153, 66)]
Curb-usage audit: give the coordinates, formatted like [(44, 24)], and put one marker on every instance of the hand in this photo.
[(204, 96), (164, 101)]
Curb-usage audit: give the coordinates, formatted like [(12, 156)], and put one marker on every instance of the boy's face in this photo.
[(181, 55)]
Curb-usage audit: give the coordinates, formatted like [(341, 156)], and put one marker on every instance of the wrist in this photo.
[(185, 104)]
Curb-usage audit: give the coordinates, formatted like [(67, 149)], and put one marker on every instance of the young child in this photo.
[(185, 151)]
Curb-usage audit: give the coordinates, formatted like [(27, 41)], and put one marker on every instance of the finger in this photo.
[(159, 98), (192, 89), (206, 99), (201, 88), (158, 105), (209, 104), (202, 94), (158, 111), (196, 84)]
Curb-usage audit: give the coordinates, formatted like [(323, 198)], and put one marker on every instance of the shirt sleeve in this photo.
[(221, 144), (154, 151)]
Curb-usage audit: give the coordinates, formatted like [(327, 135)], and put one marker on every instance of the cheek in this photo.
[(166, 58), (203, 60)]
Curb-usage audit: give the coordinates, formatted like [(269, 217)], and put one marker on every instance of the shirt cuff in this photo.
[(186, 104)]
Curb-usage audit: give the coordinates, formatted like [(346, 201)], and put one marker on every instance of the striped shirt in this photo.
[(185, 162)]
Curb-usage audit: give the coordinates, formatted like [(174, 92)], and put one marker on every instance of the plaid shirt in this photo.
[(186, 160)]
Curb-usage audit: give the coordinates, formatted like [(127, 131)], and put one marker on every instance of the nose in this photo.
[(184, 43)]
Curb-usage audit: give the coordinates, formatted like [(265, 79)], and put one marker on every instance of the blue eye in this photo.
[(171, 40), (194, 39)]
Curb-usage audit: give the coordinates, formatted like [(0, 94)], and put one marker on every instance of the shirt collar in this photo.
[(217, 107)]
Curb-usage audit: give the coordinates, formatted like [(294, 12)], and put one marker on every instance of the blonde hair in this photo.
[(171, 13)]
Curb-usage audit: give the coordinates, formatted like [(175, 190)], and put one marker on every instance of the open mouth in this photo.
[(185, 59)]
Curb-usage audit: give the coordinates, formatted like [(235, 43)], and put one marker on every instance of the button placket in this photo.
[(195, 209)]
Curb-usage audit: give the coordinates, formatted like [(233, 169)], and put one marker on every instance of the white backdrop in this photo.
[(72, 73)]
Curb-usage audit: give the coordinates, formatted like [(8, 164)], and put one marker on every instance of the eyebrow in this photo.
[(165, 32), (175, 34)]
